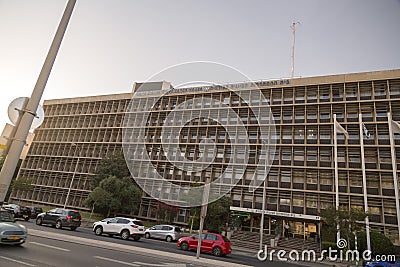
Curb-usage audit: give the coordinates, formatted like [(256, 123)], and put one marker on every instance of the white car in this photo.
[(167, 232), (124, 227)]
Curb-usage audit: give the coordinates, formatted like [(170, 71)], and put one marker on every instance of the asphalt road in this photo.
[(44, 251)]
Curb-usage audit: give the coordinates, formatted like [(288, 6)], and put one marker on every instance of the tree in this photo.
[(165, 213), (346, 219), (380, 244), (217, 215), (2, 159), (113, 166), (22, 184), (114, 189), (115, 195)]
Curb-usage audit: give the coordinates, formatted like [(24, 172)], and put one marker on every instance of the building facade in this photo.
[(78, 132)]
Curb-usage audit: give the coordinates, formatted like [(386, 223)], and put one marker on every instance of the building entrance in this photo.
[(279, 224)]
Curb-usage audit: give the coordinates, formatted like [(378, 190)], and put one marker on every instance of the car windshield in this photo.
[(5, 216)]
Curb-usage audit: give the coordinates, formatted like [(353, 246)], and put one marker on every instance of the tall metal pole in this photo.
[(203, 214), (364, 175), (263, 204), (29, 112), (394, 170), (262, 217), (335, 152), (73, 175)]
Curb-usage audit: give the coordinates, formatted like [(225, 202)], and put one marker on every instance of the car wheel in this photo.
[(73, 228), (125, 234), (98, 230), (58, 224), (136, 238), (168, 238), (147, 235), (217, 251), (39, 221), (184, 246)]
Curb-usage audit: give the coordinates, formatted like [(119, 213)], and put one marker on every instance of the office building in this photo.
[(301, 180)]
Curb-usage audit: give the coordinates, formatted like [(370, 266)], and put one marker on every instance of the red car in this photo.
[(215, 243)]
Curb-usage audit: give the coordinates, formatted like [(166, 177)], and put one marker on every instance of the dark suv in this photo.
[(35, 211), (60, 218), (19, 211)]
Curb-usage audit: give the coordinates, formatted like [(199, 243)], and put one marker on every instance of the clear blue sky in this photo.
[(109, 44)]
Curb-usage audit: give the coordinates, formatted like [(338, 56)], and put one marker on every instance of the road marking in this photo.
[(158, 264), (48, 246), (17, 261), (116, 261)]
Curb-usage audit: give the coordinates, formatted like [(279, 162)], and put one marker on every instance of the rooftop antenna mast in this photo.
[(293, 28)]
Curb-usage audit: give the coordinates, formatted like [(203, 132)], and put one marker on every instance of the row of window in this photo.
[(324, 92)]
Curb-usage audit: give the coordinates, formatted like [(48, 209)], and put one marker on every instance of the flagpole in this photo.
[(394, 169), (335, 152), (367, 229)]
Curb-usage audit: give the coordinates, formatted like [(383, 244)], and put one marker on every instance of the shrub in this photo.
[(326, 245), (380, 244)]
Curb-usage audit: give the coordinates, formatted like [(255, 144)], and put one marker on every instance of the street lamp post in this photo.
[(73, 175), (263, 203), (29, 111)]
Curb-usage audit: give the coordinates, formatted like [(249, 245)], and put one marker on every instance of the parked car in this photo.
[(35, 211), (166, 232), (19, 211), (124, 227), (11, 232), (373, 263), (217, 244), (60, 218)]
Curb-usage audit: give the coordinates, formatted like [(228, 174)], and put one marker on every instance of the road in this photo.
[(47, 246)]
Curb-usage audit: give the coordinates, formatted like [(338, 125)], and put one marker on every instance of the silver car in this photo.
[(166, 232), (10, 232)]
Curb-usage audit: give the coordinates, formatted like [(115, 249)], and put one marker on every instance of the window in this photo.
[(351, 91), (380, 89), (211, 237), (122, 221), (284, 201), (365, 90)]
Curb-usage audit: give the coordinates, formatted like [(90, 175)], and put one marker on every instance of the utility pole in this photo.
[(29, 111)]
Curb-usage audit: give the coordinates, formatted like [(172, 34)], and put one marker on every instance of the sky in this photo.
[(110, 44)]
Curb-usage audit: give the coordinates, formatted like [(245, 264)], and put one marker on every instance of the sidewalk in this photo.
[(324, 263)]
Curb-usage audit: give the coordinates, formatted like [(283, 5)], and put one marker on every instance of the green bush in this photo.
[(380, 244), (196, 222), (328, 234), (326, 245)]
